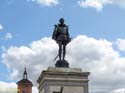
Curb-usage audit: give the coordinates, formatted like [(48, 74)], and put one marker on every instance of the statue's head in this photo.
[(61, 20)]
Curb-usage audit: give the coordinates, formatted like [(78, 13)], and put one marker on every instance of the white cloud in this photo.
[(35, 90), (121, 44), (35, 57), (99, 4), (11, 87), (1, 27), (8, 36), (7, 87), (14, 73), (119, 91), (46, 2), (96, 56)]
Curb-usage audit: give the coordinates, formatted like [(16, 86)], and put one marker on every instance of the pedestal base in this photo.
[(62, 63), (73, 80)]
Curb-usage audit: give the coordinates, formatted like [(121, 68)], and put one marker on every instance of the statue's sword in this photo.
[(56, 57)]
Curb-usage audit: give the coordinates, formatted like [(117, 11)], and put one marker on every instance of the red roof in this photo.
[(24, 81)]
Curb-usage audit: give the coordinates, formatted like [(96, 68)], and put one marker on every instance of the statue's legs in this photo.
[(64, 51), (60, 51)]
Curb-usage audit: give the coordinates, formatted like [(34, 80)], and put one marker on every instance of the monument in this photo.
[(62, 78), (61, 36)]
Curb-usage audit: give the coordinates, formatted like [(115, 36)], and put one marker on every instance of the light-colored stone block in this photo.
[(60, 69), (66, 89), (73, 80)]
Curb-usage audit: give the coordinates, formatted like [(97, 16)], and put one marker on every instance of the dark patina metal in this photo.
[(61, 90), (61, 36)]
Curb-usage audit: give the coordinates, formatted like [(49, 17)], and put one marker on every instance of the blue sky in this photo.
[(25, 21)]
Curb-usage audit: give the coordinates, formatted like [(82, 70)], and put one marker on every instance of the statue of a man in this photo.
[(61, 36)]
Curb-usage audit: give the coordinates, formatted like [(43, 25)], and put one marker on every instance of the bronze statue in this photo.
[(61, 36)]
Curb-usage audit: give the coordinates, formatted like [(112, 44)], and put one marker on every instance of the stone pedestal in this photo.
[(63, 80)]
